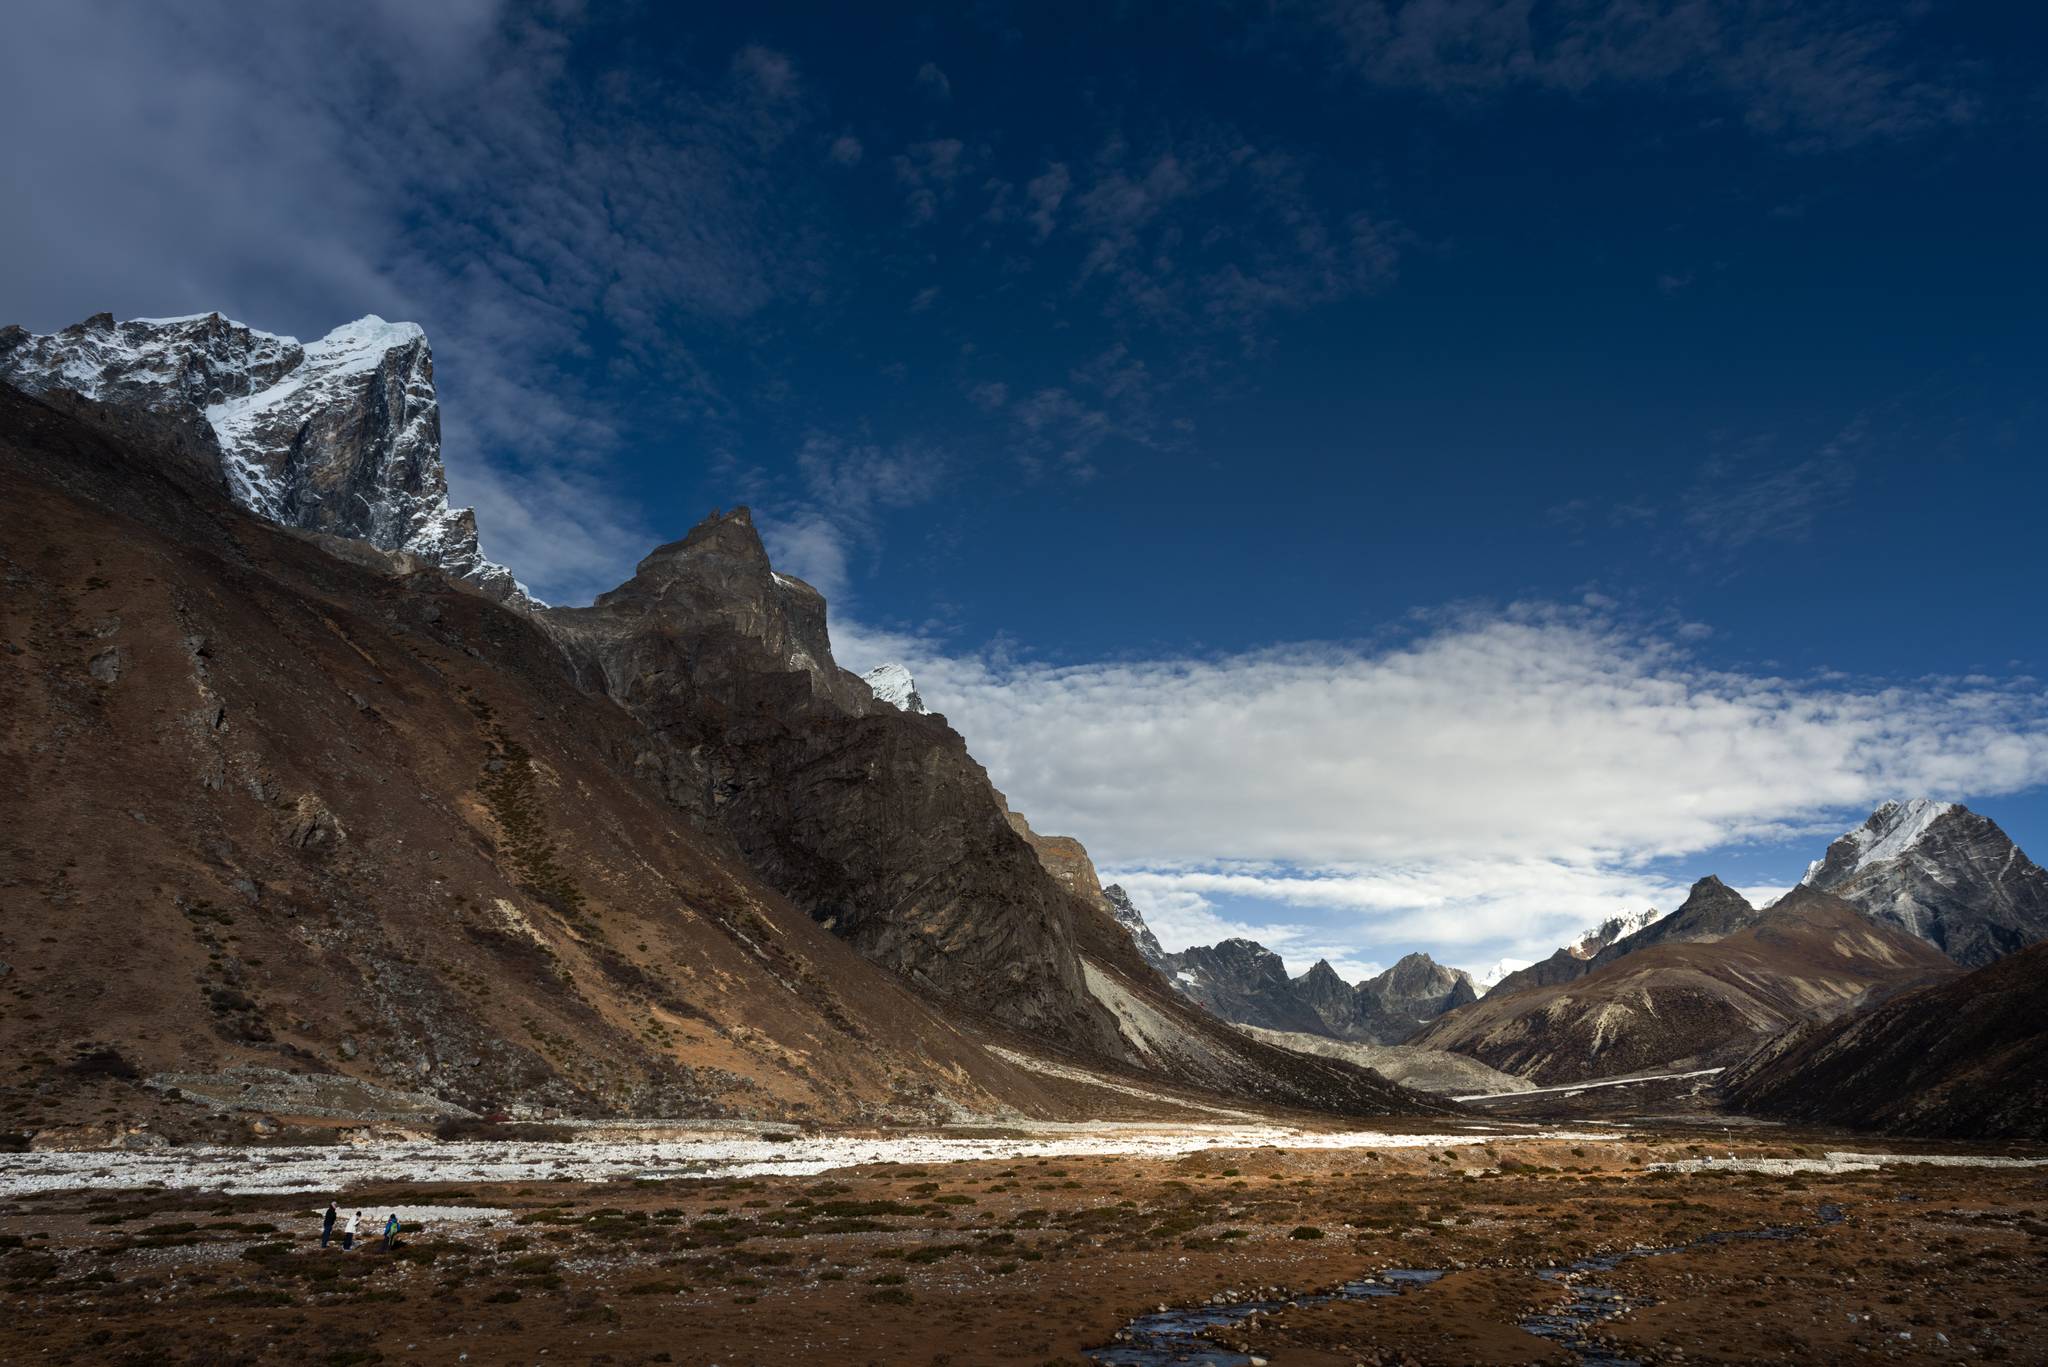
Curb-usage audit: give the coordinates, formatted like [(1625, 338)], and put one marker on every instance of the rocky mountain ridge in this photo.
[(1243, 982), (660, 855), (340, 436), (1722, 978)]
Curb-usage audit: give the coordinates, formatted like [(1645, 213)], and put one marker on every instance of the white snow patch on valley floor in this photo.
[(340, 1169), (1845, 1162), (1570, 1088)]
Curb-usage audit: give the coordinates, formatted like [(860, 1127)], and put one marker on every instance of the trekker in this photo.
[(390, 1230), (348, 1231), (327, 1224)]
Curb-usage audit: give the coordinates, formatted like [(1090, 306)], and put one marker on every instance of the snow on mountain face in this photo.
[(893, 685), (1939, 871), (341, 435), (1485, 978), (1889, 832), (1596, 938)]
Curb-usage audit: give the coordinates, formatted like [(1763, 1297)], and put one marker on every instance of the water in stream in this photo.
[(1176, 1337)]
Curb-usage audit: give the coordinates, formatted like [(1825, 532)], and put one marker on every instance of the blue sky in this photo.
[(1384, 475)]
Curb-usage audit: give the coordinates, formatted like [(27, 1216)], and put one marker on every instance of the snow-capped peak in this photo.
[(1486, 978), (893, 685), (1596, 938), (341, 435), (1890, 831)]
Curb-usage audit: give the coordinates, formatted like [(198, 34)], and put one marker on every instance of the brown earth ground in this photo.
[(1037, 1261)]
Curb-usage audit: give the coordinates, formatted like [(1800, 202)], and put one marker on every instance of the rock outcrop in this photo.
[(1964, 1059), (340, 436), (1942, 872), (1126, 914), (876, 821)]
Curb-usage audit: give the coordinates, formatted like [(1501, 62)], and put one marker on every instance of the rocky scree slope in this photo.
[(340, 436), (297, 804), (1939, 871), (1693, 999), (1964, 1059), (1428, 1070)]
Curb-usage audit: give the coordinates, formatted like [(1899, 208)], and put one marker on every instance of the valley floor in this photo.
[(1034, 1247)]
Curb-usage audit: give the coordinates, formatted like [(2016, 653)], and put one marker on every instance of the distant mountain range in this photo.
[(1930, 884)]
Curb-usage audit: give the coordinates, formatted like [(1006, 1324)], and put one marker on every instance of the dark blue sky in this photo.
[(1055, 343)]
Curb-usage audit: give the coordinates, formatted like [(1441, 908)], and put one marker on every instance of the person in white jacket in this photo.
[(348, 1231)]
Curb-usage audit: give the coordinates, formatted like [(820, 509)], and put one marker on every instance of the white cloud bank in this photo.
[(1489, 785)]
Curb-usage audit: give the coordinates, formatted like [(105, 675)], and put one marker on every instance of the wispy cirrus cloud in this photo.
[(1812, 76), (818, 533)]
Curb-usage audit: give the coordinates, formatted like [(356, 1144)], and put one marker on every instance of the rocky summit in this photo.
[(1942, 872), (340, 436)]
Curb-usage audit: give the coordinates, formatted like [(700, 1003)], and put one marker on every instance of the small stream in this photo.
[(1175, 1337)]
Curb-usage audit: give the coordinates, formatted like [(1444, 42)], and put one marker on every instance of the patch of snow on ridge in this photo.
[(1891, 830), (893, 685)]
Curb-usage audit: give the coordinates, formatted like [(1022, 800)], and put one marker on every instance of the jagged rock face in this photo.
[(1693, 1001), (1244, 983), (1132, 920), (1965, 1059), (711, 609), (1942, 872), (1334, 1001), (1411, 994), (1247, 984), (340, 436), (893, 685), (876, 821)]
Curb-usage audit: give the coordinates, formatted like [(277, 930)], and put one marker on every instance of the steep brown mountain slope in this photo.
[(285, 801), (1710, 911), (1693, 1002), (1964, 1059)]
